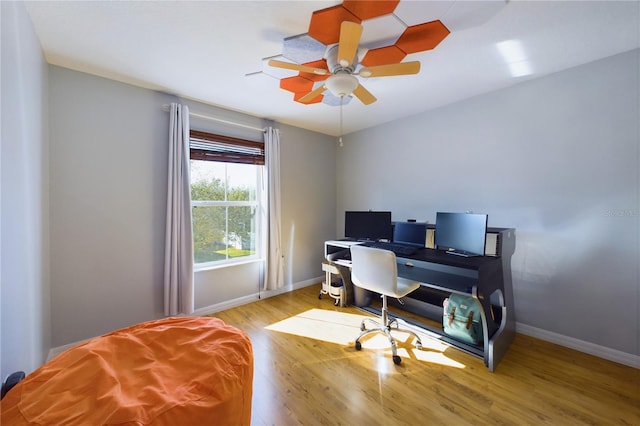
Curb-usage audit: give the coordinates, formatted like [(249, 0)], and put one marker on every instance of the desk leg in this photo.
[(499, 343), (496, 341)]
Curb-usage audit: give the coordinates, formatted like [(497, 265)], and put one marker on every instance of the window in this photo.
[(226, 177)]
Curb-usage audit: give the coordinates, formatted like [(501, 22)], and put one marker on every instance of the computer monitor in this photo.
[(410, 233), (461, 233), (367, 225)]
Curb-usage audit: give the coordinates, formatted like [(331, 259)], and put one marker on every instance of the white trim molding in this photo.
[(211, 309), (580, 345), (548, 336), (53, 352)]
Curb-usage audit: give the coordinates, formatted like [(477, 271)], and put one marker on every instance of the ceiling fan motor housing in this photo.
[(332, 61)]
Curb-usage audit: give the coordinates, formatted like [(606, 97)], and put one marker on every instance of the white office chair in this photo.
[(376, 270)]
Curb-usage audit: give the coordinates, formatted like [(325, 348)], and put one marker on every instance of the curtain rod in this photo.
[(220, 120)]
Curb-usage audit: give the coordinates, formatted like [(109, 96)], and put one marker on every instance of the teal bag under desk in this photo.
[(461, 318)]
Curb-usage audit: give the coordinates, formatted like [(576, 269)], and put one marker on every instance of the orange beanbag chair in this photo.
[(174, 371)]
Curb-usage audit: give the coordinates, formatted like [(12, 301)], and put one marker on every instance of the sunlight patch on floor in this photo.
[(342, 328), (329, 326)]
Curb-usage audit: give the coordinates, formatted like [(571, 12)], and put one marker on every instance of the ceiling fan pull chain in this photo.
[(340, 138)]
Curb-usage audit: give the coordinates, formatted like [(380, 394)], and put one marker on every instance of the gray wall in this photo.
[(108, 195), (308, 163), (108, 200), (557, 158), (24, 262)]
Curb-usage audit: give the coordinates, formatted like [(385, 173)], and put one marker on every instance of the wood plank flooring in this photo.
[(307, 372)]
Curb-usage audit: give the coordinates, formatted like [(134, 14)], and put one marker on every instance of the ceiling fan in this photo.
[(342, 62)]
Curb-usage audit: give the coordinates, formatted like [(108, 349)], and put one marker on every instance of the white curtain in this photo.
[(274, 270), (178, 264)]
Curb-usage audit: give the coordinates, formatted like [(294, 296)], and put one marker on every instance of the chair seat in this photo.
[(405, 287)]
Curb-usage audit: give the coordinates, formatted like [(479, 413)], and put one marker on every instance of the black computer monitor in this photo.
[(410, 233), (367, 225), (461, 233)]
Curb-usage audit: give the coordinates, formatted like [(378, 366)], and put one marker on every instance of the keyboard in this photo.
[(398, 249)]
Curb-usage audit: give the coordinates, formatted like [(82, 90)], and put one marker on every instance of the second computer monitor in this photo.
[(461, 233), (410, 233), (367, 225)]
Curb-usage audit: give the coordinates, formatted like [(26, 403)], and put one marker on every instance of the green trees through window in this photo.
[(224, 210)]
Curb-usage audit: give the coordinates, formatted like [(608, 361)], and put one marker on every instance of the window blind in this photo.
[(211, 147)]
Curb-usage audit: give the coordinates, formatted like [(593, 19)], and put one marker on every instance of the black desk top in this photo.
[(441, 257)]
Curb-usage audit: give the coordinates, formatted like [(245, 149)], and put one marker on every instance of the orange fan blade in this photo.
[(313, 94), (364, 95), (296, 67), (350, 34), (403, 68)]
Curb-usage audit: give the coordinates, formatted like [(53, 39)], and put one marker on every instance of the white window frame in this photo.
[(258, 204)]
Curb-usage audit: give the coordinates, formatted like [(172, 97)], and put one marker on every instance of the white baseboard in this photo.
[(580, 345), (228, 304), (53, 352), (548, 336)]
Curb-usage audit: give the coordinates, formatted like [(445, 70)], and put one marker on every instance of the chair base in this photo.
[(386, 327)]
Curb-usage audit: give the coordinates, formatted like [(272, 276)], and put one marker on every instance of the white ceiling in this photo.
[(204, 50)]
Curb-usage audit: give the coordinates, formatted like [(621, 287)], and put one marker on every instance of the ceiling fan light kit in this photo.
[(342, 84)]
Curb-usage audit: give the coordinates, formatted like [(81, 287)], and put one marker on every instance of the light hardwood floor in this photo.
[(307, 372)]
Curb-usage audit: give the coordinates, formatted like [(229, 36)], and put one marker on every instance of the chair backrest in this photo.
[(374, 269)]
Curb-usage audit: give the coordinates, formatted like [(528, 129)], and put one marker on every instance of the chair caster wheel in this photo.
[(419, 346), (397, 360), (362, 327), (320, 296), (358, 346)]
